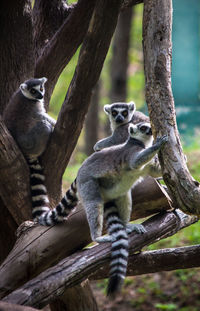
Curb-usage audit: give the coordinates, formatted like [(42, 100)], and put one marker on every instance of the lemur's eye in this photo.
[(114, 113), (143, 128), (41, 89), (33, 91), (125, 113)]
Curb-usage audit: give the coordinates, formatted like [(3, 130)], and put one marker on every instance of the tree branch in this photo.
[(75, 106), (129, 3), (5, 306), (74, 269), (64, 44), (184, 190), (167, 259), (48, 16), (68, 301), (41, 247), (14, 171), (15, 42)]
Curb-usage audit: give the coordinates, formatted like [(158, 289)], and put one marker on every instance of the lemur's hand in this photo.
[(97, 147), (160, 141)]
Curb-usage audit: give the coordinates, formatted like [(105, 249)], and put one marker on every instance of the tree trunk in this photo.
[(79, 297), (16, 48), (119, 61), (120, 53), (92, 122), (6, 306), (157, 26)]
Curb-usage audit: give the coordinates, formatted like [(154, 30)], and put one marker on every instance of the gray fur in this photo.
[(104, 184), (31, 127), (27, 120), (110, 174)]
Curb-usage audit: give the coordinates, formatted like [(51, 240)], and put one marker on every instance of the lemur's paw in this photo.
[(161, 140), (96, 147), (135, 227), (103, 239)]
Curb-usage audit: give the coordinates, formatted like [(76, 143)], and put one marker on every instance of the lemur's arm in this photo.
[(104, 143), (49, 119), (147, 154), (154, 168), (35, 140), (118, 137)]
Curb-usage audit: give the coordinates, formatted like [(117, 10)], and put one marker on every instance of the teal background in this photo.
[(186, 64)]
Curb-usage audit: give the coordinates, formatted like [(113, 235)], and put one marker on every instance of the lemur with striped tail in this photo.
[(31, 127), (104, 183)]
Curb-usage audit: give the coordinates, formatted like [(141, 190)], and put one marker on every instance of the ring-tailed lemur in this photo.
[(104, 184), (104, 181), (31, 127), (120, 116)]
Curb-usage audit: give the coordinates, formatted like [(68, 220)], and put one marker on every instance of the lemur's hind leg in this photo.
[(93, 205), (124, 205)]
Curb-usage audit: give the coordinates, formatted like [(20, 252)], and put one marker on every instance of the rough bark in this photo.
[(48, 16), (8, 226), (6, 306), (72, 270), (15, 43), (167, 259), (73, 298), (75, 106), (129, 3), (41, 247), (157, 26), (14, 172), (92, 122)]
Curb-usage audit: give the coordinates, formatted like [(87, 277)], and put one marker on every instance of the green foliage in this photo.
[(169, 306)]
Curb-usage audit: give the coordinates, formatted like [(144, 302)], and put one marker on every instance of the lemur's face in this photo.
[(33, 88), (120, 113), (141, 131)]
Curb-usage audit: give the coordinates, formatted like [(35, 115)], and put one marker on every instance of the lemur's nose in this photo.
[(119, 119)]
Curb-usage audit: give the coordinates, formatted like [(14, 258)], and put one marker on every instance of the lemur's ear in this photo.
[(23, 86), (107, 109), (44, 80), (131, 106)]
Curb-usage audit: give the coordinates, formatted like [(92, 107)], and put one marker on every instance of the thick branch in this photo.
[(41, 247), (6, 306), (60, 49), (79, 297), (157, 57), (129, 3), (8, 227), (16, 48), (74, 109), (156, 261), (48, 16), (76, 268), (14, 181)]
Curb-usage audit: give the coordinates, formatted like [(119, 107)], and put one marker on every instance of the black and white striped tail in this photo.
[(119, 249), (62, 210), (39, 197)]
